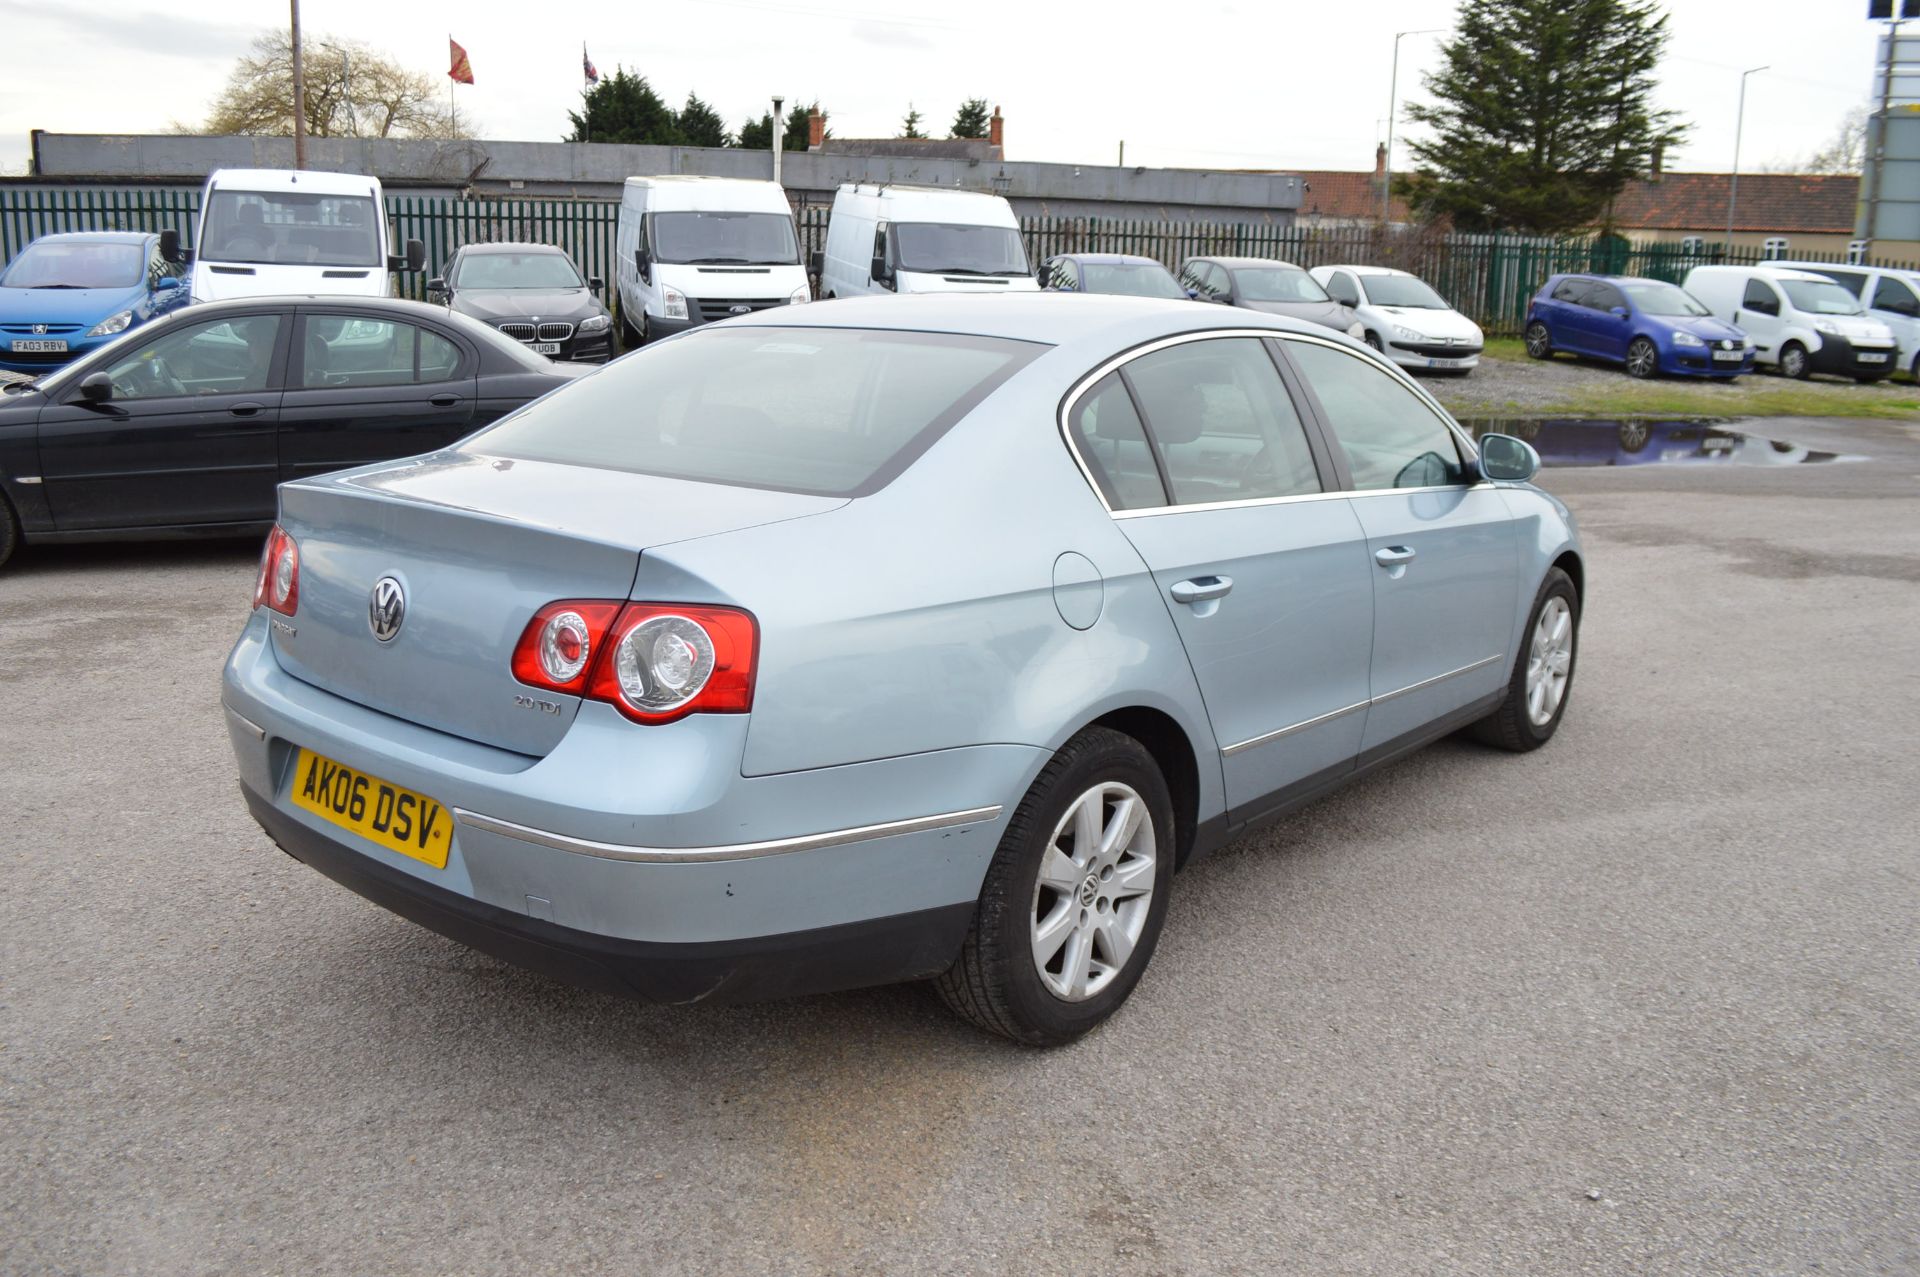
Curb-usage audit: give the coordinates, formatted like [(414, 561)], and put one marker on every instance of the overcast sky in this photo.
[(1199, 83)]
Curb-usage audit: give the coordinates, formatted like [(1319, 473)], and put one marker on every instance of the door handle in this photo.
[(1393, 556), (444, 400), (245, 409), (1201, 588)]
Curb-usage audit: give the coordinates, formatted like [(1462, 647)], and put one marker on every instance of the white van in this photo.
[(1798, 321), (696, 249), (278, 232), (1891, 296), (922, 239)]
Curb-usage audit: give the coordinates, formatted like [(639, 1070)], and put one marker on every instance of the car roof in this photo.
[(1820, 268), (1103, 320), (1231, 262), (1109, 259), (98, 237), (512, 247), (397, 305), (1365, 270)]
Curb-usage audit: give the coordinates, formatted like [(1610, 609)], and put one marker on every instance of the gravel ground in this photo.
[(1517, 386), (1643, 1001)]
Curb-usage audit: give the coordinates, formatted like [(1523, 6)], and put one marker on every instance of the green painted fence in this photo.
[(1489, 277)]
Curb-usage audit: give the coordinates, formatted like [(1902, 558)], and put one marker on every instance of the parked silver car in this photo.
[(904, 637)]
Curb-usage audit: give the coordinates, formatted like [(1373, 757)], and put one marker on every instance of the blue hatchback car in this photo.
[(67, 294), (1650, 326), (902, 637)]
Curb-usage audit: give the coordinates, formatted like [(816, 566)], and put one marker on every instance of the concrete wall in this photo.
[(595, 170)]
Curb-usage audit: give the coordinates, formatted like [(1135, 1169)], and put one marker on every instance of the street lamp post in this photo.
[(1739, 123), (779, 133), (1393, 104)]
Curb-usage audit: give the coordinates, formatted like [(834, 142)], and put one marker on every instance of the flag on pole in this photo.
[(461, 72), (587, 68)]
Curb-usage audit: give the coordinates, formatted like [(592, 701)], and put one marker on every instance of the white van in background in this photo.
[(695, 249), (922, 239), (1890, 296), (280, 232), (1798, 321)]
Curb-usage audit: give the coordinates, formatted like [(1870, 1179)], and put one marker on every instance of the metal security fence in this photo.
[(1488, 277)]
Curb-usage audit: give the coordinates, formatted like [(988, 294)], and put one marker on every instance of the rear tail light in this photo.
[(278, 586), (654, 662)]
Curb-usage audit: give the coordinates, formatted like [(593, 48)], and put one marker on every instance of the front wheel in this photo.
[(1539, 341), (9, 532), (1542, 673), (1793, 361), (1643, 360), (1074, 899), (1373, 340)]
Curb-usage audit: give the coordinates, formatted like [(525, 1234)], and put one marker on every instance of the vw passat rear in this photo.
[(924, 638)]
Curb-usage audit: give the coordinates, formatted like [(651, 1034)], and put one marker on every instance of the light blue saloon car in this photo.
[(904, 637)]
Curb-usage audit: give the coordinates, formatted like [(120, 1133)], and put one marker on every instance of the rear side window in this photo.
[(1573, 291), (348, 350), (1224, 424), (828, 411), (1391, 438), (1111, 441)]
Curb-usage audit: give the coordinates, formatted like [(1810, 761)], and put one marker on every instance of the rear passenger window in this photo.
[(1110, 439), (1391, 438), (1223, 422)]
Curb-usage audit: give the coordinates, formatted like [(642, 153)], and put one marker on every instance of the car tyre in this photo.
[(1008, 980), (1543, 669), (629, 335), (1539, 341), (1373, 340), (1643, 358), (9, 532), (1793, 361)]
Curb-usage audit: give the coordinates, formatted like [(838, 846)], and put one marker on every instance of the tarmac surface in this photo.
[(1643, 1001)]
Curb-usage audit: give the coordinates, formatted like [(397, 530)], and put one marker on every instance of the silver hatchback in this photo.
[(889, 639)]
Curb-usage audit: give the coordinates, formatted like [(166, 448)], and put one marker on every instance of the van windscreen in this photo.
[(733, 239), (276, 228), (826, 411), (952, 248)]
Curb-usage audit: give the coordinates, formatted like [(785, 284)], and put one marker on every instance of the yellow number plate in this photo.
[(398, 819)]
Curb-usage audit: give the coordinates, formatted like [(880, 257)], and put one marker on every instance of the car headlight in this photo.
[(1686, 339), (804, 293), (595, 324), (111, 324), (673, 303), (1407, 334), (1357, 330), (1826, 326)]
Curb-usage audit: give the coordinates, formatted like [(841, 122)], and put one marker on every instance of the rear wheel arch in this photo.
[(1174, 754)]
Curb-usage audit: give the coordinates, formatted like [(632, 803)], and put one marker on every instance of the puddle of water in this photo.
[(1639, 441)]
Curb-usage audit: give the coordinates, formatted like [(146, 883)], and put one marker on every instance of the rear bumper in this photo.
[(851, 955)]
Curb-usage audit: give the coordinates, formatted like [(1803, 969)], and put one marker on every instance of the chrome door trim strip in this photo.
[(1438, 678), (1230, 750), (732, 851), (1328, 717)]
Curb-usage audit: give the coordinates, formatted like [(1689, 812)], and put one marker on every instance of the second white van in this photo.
[(1890, 295), (696, 249), (1799, 322), (922, 239)]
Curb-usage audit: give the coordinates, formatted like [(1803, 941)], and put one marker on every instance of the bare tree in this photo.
[(351, 91), (1846, 152)]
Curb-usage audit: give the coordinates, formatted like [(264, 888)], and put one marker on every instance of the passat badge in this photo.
[(386, 609)]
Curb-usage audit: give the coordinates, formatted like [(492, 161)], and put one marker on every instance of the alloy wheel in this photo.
[(1095, 889), (1549, 661), (1642, 358), (1539, 345)]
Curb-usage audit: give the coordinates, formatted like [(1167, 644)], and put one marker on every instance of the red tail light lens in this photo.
[(278, 586), (654, 662)]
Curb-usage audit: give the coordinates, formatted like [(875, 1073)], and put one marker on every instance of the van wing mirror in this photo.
[(643, 264), (817, 263), (170, 250), (413, 260), (881, 273)]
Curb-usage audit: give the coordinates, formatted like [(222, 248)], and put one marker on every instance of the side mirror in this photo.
[(436, 285), (166, 283), (595, 283), (817, 263), (643, 264), (1618, 312), (96, 387), (879, 271), (1193, 294), (170, 250), (414, 259), (1507, 459)]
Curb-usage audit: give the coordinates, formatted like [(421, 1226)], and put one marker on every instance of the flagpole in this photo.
[(453, 113)]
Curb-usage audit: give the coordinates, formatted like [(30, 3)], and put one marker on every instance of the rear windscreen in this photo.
[(828, 411)]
